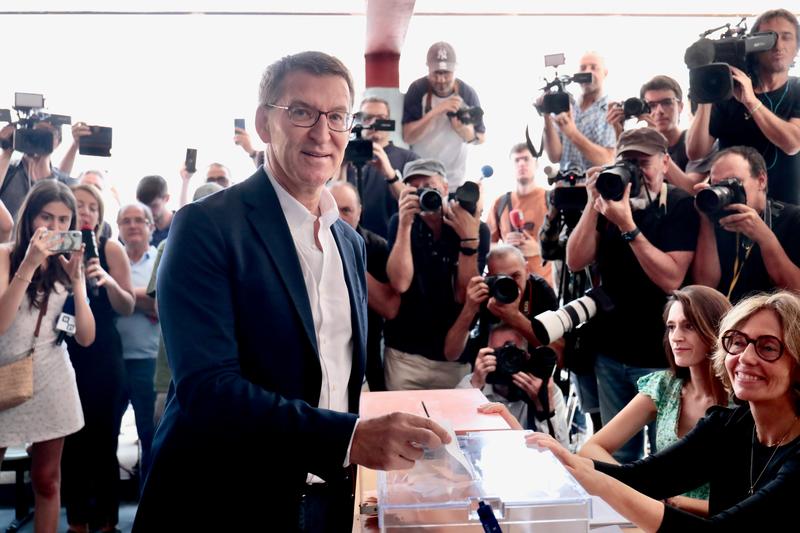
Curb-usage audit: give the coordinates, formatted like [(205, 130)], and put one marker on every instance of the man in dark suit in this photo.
[(262, 298)]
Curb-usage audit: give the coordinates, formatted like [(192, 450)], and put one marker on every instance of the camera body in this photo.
[(633, 107), (710, 80), (510, 360), (467, 196), (541, 362), (502, 288), (713, 200), (614, 178), (27, 138), (467, 115), (359, 150)]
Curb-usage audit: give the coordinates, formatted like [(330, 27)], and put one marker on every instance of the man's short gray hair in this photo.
[(148, 213), (502, 251), (317, 63)]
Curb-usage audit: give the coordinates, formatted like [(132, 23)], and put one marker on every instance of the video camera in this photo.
[(713, 200), (467, 115), (556, 98), (359, 150), (614, 178), (570, 194), (710, 79), (27, 138), (552, 325)]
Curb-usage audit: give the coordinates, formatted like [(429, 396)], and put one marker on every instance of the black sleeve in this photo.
[(794, 112), (484, 244), (377, 256), (470, 98), (681, 467), (543, 298), (682, 226), (412, 102)]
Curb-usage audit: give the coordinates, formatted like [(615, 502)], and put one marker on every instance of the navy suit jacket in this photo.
[(240, 339)]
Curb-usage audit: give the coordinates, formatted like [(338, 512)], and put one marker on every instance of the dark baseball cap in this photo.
[(423, 167), (442, 56), (645, 140)]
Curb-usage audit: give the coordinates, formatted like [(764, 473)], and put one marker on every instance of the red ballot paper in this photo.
[(457, 406)]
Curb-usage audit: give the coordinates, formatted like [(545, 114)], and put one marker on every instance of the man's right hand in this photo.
[(485, 364), (408, 207), (395, 441), (615, 116), (80, 129), (185, 174), (449, 105), (477, 292)]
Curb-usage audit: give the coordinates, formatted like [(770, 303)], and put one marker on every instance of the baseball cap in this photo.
[(423, 167), (645, 140), (442, 56)]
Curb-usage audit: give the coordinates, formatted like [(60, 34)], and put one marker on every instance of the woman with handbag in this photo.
[(35, 283), (89, 466)]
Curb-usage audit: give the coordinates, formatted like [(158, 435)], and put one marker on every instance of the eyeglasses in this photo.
[(666, 103), (768, 347), (131, 221), (305, 117)]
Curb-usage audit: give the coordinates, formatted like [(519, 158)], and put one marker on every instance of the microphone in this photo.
[(517, 219), (90, 252), (550, 172), (700, 53), (486, 171)]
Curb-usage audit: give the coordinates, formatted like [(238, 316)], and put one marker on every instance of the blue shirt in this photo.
[(139, 333), (593, 125)]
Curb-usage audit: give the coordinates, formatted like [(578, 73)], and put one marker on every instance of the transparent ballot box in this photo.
[(528, 489)]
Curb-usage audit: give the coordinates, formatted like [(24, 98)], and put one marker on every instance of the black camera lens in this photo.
[(714, 199), (429, 200), (467, 196), (633, 107), (614, 178), (502, 288)]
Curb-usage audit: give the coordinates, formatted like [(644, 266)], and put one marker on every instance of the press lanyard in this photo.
[(737, 268)]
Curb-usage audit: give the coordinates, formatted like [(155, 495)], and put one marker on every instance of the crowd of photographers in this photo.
[(576, 278)]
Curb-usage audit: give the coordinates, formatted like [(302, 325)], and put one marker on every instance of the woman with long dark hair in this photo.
[(35, 282)]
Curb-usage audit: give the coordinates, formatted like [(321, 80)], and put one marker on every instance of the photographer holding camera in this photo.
[(509, 294), (764, 112), (581, 138), (750, 242), (660, 105), (441, 114), (523, 394), (643, 242), (436, 248), (18, 178), (381, 179), (517, 215)]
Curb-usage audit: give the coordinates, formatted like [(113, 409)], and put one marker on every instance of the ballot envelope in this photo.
[(528, 489)]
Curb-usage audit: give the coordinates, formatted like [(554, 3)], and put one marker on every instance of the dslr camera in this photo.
[(359, 150), (713, 200), (27, 138), (556, 98), (502, 288), (512, 359), (634, 106), (710, 79), (467, 115), (614, 178), (430, 200)]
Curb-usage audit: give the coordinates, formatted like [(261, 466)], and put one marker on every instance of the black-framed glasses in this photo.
[(305, 117), (666, 103), (768, 347)]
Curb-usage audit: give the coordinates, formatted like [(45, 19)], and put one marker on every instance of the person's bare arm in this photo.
[(705, 266), (698, 140), (620, 429), (6, 223), (400, 265), (382, 298), (552, 141)]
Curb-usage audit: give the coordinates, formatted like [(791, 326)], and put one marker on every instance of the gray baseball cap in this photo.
[(423, 167)]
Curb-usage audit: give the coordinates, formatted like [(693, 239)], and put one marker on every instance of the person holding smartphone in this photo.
[(34, 285)]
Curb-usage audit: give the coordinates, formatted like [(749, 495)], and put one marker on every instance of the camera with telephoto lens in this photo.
[(713, 200), (27, 138), (613, 179), (467, 115), (502, 288), (467, 196), (633, 107), (552, 325), (710, 79), (359, 150)]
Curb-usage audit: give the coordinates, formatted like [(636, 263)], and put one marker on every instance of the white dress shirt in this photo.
[(323, 274)]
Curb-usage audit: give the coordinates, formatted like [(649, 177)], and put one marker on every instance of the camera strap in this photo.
[(536, 153), (429, 95), (738, 267)]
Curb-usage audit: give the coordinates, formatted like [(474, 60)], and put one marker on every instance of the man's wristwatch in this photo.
[(628, 236), (468, 251), (395, 179)]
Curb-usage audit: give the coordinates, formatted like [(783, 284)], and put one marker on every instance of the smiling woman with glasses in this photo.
[(749, 455)]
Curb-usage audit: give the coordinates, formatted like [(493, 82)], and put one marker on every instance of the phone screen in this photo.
[(191, 160), (64, 242), (238, 123)]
